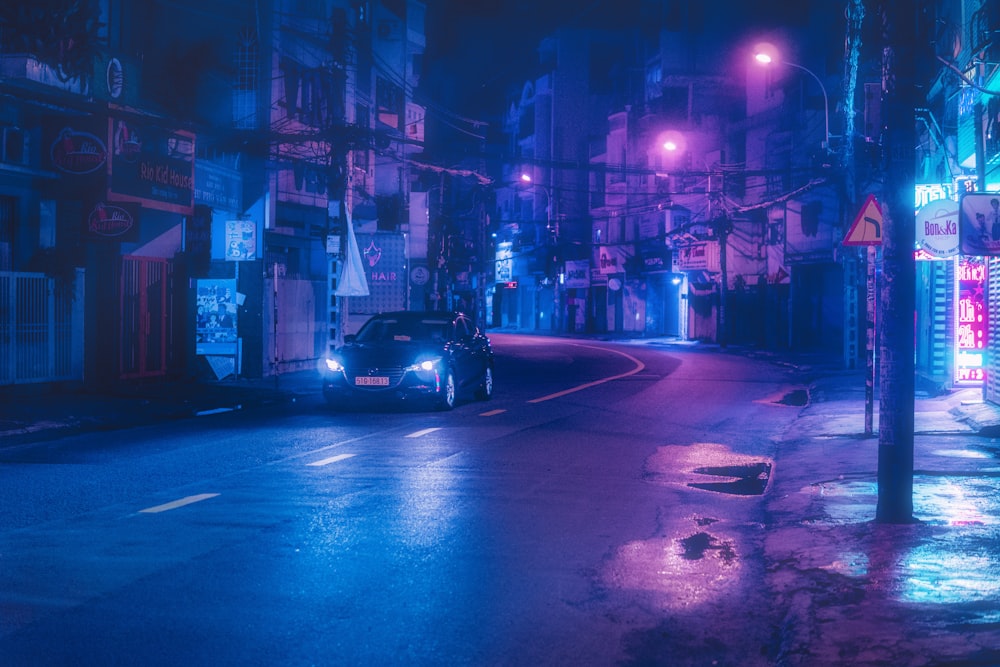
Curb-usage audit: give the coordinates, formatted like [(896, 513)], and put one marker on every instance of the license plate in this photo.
[(371, 381)]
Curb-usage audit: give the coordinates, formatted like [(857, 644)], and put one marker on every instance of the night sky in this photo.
[(477, 49)]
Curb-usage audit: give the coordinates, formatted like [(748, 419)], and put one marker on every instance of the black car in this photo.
[(428, 356)]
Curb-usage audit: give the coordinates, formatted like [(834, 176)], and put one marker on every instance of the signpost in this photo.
[(867, 231)]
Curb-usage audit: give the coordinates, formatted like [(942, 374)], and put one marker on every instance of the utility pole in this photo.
[(722, 227), (900, 98)]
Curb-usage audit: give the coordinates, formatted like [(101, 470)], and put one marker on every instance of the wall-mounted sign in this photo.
[(218, 187), (610, 259), (937, 229), (970, 321), (114, 76), (504, 261), (151, 165), (979, 224), (112, 220), (78, 152), (691, 257), (577, 274)]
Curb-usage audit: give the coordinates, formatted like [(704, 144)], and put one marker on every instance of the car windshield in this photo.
[(410, 329)]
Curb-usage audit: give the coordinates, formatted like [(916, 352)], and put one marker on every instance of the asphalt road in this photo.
[(586, 515)]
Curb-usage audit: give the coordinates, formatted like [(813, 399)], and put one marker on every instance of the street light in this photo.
[(526, 178), (553, 238), (766, 54)]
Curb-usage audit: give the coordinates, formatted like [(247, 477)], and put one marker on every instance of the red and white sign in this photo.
[(867, 227)]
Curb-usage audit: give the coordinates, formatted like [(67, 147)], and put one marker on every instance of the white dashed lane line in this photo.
[(331, 459), (178, 503), (492, 413), (423, 432)]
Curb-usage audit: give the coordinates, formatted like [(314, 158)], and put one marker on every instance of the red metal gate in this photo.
[(145, 297)]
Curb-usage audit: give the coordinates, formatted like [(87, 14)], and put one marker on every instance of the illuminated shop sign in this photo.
[(928, 192), (971, 321), (937, 230)]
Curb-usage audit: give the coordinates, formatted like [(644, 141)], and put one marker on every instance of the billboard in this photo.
[(971, 321), (384, 260), (151, 165)]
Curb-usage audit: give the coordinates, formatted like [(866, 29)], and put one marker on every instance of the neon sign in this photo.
[(971, 321)]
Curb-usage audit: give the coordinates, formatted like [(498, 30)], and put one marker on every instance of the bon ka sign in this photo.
[(937, 229)]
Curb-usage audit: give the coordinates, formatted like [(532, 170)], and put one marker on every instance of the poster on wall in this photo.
[(241, 240), (215, 326)]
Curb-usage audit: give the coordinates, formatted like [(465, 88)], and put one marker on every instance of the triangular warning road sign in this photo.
[(867, 227)]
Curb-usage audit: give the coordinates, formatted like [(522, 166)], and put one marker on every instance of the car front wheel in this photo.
[(485, 390)]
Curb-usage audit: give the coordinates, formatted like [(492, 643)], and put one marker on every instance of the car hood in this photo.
[(364, 355)]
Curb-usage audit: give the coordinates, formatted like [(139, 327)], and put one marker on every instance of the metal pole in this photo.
[(870, 344)]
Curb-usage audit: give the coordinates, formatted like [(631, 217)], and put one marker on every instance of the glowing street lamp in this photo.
[(526, 178), (766, 54)]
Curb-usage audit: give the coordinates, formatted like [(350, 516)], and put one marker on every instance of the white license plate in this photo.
[(371, 381)]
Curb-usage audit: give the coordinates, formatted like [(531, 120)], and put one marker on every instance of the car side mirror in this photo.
[(350, 338)]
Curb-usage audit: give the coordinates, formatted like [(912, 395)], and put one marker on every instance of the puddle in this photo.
[(698, 544), (750, 479), (797, 398), (678, 572)]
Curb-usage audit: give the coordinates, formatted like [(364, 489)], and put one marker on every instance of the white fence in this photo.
[(41, 328)]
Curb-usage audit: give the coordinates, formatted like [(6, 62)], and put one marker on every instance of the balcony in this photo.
[(26, 67)]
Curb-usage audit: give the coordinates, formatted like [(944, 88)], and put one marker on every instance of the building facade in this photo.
[(178, 176)]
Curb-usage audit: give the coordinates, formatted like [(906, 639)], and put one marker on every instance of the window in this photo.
[(245, 90), (676, 102), (599, 188), (47, 223), (654, 79), (389, 99), (13, 148), (8, 210)]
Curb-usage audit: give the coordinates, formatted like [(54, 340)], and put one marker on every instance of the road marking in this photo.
[(491, 413), (424, 432), (178, 503), (331, 459), (638, 367)]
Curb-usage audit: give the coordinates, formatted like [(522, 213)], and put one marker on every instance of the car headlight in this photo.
[(425, 365), (334, 365)]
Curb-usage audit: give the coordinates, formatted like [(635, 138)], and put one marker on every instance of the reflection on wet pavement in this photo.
[(678, 572), (929, 562)]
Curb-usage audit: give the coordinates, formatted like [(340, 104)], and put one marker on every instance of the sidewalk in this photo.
[(853, 591), (31, 414)]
